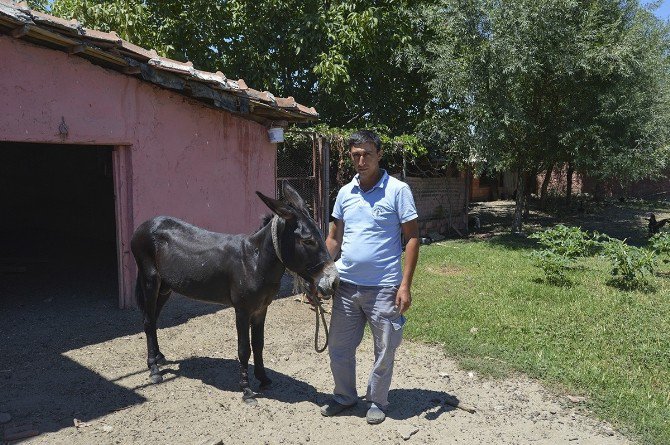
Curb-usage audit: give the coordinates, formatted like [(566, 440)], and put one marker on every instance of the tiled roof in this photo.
[(109, 50)]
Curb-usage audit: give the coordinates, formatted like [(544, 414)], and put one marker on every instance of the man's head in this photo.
[(365, 149)]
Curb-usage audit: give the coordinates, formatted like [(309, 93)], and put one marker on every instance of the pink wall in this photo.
[(174, 157)]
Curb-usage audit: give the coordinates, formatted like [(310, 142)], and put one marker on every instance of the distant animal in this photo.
[(243, 271), (655, 226)]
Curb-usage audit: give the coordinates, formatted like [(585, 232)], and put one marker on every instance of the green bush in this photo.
[(562, 244), (555, 266), (569, 242), (660, 243), (630, 265)]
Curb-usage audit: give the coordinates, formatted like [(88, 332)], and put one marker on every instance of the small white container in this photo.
[(276, 135)]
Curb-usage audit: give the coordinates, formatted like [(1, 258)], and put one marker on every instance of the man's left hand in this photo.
[(403, 299)]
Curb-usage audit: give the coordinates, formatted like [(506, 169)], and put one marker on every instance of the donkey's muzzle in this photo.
[(329, 281)]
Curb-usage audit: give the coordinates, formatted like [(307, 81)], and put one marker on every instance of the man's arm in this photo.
[(410, 231), (334, 239)]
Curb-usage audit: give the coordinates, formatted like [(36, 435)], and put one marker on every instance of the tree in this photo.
[(533, 84), (340, 56)]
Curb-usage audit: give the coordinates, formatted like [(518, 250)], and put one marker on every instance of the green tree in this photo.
[(340, 56), (526, 84)]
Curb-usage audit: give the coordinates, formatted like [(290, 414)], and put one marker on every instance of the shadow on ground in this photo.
[(627, 220), (223, 374), (61, 300)]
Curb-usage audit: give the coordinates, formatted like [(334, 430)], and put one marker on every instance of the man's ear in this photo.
[(282, 209), (292, 196)]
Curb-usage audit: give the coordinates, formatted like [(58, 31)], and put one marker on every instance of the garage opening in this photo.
[(57, 225)]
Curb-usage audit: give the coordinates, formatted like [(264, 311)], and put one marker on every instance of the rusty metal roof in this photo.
[(109, 50)]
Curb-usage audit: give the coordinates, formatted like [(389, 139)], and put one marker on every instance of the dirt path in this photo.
[(60, 364)]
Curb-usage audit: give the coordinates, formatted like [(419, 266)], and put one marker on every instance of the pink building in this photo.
[(98, 135)]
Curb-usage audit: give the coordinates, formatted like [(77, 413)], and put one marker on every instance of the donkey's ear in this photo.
[(292, 196), (279, 207)]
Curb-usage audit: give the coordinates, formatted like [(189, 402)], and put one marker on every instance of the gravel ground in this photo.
[(73, 369)]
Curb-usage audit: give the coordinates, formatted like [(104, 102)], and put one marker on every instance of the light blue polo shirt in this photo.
[(371, 246)]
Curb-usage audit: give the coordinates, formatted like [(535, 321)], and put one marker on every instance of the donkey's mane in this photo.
[(266, 220)]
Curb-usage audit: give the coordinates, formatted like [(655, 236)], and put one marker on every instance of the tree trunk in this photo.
[(545, 186), (520, 198), (568, 191)]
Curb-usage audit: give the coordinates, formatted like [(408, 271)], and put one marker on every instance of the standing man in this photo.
[(371, 212)]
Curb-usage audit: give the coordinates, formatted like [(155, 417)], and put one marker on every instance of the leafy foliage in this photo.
[(524, 84), (566, 241), (554, 266), (630, 265), (562, 244), (660, 243), (339, 56)]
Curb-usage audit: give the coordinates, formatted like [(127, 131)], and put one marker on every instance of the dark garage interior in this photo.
[(57, 224)]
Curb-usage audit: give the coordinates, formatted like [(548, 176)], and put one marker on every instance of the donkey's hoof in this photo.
[(156, 378), (265, 384), (160, 359)]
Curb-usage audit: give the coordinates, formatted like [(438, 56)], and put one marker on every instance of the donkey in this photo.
[(238, 270)]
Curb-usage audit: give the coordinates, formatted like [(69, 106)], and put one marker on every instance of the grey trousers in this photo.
[(353, 307)]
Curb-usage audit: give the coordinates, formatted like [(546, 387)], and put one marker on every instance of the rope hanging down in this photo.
[(312, 296)]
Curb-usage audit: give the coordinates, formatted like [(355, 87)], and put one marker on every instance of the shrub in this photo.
[(660, 243), (555, 266), (630, 264), (569, 242), (562, 245)]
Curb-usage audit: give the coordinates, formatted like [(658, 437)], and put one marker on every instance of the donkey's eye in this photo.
[(308, 241)]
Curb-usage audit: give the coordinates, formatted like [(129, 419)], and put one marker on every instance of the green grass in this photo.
[(589, 338)]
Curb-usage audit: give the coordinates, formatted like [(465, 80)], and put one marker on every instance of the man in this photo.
[(370, 214)]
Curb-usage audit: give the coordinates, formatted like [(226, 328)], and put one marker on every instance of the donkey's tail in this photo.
[(139, 294)]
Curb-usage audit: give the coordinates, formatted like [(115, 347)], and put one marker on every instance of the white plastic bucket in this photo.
[(276, 135)]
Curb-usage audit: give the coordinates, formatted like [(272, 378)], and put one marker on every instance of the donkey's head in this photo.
[(299, 243)]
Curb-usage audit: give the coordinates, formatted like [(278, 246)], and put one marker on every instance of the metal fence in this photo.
[(302, 160)]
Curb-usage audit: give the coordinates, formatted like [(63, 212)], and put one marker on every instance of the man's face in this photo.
[(366, 159)]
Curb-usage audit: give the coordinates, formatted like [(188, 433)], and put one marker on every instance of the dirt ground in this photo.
[(64, 365), (72, 368)]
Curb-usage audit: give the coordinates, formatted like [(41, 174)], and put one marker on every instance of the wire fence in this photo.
[(297, 163)]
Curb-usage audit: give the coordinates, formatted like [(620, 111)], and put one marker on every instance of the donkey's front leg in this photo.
[(243, 351), (257, 341)]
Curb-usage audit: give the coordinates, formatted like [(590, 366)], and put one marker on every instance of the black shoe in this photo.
[(331, 408)]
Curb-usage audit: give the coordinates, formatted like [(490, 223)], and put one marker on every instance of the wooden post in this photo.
[(325, 183), (123, 197)]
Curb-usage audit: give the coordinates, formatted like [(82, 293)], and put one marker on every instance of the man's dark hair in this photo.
[(363, 136)]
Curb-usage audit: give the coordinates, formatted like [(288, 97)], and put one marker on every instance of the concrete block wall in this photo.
[(441, 204)]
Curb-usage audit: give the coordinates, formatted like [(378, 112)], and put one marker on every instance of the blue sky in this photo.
[(663, 11)]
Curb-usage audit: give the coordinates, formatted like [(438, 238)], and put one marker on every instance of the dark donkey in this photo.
[(243, 271)]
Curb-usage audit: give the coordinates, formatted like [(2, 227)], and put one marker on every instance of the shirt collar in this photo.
[(380, 184)]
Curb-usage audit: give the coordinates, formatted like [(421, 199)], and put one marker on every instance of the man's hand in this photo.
[(403, 299)]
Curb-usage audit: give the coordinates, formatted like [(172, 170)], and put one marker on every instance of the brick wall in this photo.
[(646, 188), (441, 204), (558, 184)]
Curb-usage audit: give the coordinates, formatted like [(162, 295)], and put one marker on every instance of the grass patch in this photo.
[(590, 338)]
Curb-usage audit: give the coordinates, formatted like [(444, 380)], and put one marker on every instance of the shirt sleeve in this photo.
[(337, 207), (406, 206)]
